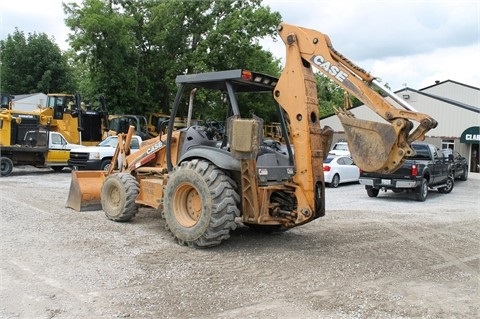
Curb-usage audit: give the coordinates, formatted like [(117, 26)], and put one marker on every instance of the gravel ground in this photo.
[(385, 257)]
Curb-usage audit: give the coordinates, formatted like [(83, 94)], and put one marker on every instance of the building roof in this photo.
[(453, 105), (472, 108), (19, 97), (437, 83), (444, 99)]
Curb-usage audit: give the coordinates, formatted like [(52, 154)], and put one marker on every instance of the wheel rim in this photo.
[(449, 184), (336, 180), (187, 205), (424, 190), (114, 197)]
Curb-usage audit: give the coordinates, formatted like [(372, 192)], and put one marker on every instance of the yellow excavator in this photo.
[(204, 183)]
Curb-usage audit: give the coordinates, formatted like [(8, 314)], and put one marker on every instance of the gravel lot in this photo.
[(385, 257)]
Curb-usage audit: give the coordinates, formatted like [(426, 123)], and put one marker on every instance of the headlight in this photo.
[(94, 155)]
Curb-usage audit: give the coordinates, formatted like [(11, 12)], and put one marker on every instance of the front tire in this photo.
[(105, 165), (200, 204), (464, 175), (448, 186), (119, 192), (421, 191), (6, 166)]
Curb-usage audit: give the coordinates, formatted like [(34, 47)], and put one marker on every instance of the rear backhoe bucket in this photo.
[(371, 144), (85, 190)]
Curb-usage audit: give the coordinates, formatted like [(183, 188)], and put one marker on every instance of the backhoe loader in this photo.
[(204, 185)]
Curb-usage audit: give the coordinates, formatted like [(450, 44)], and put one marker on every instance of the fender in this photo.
[(219, 157)]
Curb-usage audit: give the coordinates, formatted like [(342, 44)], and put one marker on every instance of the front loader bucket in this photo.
[(372, 145), (85, 190)]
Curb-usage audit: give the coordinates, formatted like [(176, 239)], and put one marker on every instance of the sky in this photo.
[(401, 42)]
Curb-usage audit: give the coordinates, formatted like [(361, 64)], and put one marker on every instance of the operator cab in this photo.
[(61, 103), (274, 159)]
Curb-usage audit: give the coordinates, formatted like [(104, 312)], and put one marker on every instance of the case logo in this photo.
[(328, 67), (154, 147)]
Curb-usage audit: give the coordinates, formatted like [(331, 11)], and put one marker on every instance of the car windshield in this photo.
[(327, 160), (341, 147), (109, 142)]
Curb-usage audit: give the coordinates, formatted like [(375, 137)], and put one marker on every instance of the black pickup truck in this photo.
[(459, 164), (428, 168)]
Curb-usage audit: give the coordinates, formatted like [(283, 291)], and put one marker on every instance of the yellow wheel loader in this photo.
[(204, 182)]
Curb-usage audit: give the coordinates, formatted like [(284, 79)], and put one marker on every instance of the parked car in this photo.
[(459, 166), (340, 148), (340, 169)]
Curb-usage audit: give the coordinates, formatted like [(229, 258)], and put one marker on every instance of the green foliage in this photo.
[(105, 44), (33, 64), (331, 95), (132, 51)]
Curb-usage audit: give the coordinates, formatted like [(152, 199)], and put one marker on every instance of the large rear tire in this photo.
[(6, 166), (119, 192), (200, 204)]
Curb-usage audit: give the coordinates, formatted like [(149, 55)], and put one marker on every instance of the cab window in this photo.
[(134, 144), (434, 152), (58, 140)]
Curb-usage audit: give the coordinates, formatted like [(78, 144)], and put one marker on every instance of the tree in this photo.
[(135, 49), (33, 64)]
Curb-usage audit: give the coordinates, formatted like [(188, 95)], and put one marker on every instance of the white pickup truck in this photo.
[(38, 148), (98, 157)]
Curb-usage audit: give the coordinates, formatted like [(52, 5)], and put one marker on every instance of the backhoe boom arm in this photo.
[(374, 146)]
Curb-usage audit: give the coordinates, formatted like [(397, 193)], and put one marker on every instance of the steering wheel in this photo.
[(214, 129)]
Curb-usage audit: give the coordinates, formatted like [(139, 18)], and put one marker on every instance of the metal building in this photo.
[(456, 108), (29, 102)]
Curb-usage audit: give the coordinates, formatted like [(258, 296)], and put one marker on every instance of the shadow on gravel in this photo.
[(38, 171), (241, 238), (405, 196), (245, 238)]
